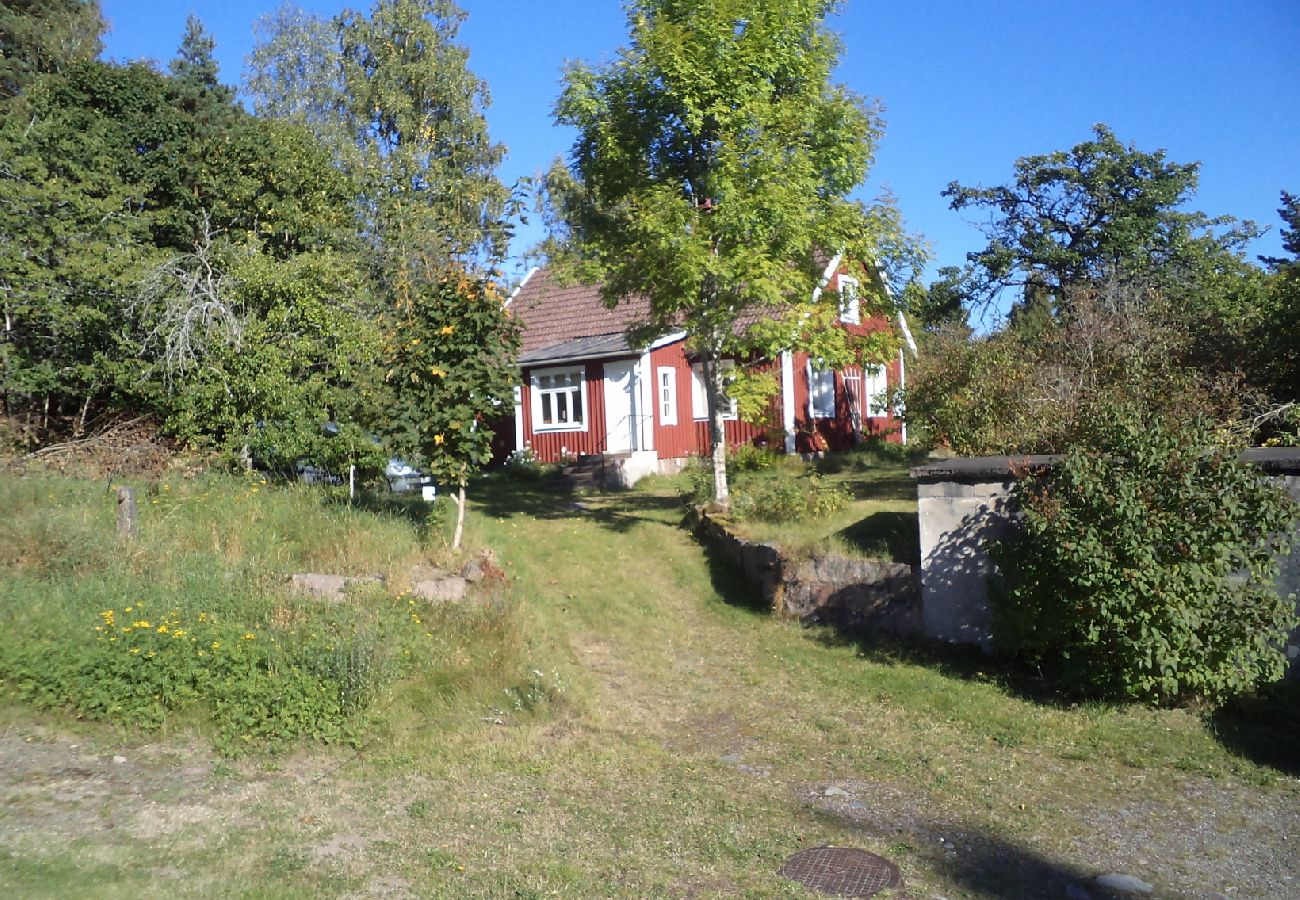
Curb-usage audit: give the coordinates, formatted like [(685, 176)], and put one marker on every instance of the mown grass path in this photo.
[(691, 744)]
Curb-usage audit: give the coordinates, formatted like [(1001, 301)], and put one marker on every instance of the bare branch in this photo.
[(190, 298)]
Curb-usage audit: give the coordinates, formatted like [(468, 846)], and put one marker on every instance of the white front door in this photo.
[(621, 406)]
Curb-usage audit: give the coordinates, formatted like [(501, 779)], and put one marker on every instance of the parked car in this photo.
[(402, 477)]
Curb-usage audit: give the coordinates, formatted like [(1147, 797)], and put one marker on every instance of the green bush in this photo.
[(748, 458), (1145, 569), (263, 687), (788, 499)]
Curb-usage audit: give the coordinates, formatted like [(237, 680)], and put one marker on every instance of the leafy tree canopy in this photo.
[(1097, 211), (42, 36), (712, 170)]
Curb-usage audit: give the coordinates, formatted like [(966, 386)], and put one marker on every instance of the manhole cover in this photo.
[(841, 871)]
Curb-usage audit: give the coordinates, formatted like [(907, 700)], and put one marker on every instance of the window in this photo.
[(667, 388), (559, 402), (850, 304), (876, 401), (699, 398), (821, 391)]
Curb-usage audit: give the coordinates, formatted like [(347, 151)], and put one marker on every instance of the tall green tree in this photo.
[(712, 171), (390, 92), (1096, 212), (390, 89)]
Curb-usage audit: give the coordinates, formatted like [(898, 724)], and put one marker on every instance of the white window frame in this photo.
[(536, 392), (666, 394), (700, 400), (850, 301), (875, 391), (816, 374)]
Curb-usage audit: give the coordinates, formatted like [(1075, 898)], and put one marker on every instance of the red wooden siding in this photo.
[(548, 446), (690, 436), (838, 432)]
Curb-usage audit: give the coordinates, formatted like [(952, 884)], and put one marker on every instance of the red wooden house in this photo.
[(586, 391)]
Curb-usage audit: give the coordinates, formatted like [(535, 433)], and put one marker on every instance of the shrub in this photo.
[(748, 458), (1145, 569), (522, 465), (786, 499)]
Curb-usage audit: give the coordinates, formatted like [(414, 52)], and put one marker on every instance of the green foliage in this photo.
[(1100, 210), (767, 492), (389, 92), (749, 458), (193, 623), (1041, 389), (175, 255), (450, 368), (41, 36), (789, 499), (522, 465), (1145, 566), (712, 167)]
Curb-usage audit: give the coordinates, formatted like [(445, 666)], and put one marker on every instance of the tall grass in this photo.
[(194, 619)]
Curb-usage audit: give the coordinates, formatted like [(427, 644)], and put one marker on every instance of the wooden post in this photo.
[(128, 523)]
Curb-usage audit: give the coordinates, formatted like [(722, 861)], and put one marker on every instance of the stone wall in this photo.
[(851, 594), (963, 508)]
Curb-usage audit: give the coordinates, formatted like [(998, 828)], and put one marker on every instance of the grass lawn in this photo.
[(879, 522), (630, 725)]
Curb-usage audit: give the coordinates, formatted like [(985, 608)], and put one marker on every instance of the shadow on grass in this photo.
[(731, 584), (885, 535), (547, 499), (1263, 727), (986, 865), (962, 661)]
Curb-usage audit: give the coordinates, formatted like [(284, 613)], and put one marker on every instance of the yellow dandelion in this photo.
[(249, 636), (162, 629), (216, 645), (135, 649), (447, 329)]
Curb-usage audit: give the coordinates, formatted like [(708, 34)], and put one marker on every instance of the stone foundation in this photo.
[(851, 594)]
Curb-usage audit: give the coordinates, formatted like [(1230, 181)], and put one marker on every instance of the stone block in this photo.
[(451, 588)]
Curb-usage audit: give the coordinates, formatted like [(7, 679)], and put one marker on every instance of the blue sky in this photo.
[(967, 87)]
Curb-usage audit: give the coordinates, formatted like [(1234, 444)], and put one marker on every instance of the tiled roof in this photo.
[(552, 313)]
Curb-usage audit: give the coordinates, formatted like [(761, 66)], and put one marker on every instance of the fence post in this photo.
[(128, 523)]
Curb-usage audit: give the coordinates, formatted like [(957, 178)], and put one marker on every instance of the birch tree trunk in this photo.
[(717, 428), (460, 517)]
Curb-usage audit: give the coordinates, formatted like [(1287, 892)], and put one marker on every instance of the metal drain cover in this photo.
[(841, 871)]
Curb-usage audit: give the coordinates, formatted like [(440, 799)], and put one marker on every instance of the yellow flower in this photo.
[(162, 629), (447, 329), (135, 649), (249, 636), (128, 609), (216, 645), (438, 439), (178, 633)]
